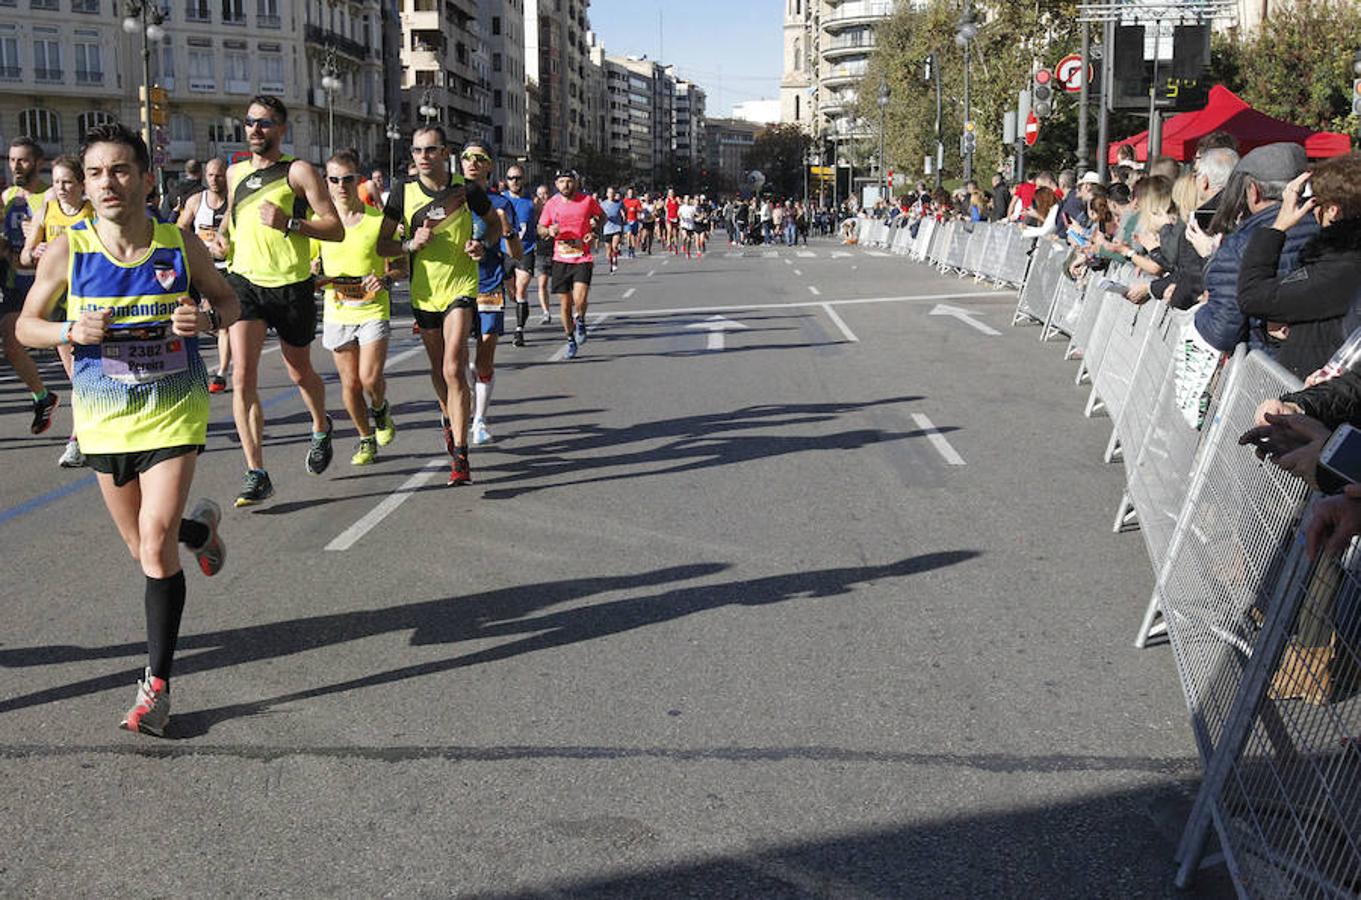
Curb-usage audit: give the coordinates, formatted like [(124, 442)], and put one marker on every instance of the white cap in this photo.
[(1090, 178)]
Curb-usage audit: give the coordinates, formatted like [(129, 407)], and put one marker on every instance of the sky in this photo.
[(731, 48)]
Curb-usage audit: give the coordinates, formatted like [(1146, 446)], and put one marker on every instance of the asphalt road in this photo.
[(816, 598)]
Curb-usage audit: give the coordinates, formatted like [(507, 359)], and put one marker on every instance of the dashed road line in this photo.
[(812, 289)]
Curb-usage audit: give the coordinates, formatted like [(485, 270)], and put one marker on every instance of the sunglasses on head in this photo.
[(426, 151), (343, 179), (251, 122), (475, 156)]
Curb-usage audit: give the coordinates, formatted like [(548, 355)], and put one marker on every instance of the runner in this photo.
[(271, 272), (672, 236), (140, 393), (545, 259), (522, 270), (614, 226), (16, 213), (433, 210), (632, 206), (687, 212), (647, 224), (702, 218), (61, 207), (570, 219), (476, 160), (357, 308), (202, 214)]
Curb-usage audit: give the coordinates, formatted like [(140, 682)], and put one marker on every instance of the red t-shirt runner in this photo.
[(631, 207), (673, 210), (573, 218)]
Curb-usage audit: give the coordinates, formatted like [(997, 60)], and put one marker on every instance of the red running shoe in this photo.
[(459, 473)]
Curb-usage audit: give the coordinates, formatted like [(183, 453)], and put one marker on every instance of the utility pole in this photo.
[(968, 30), (1083, 99)]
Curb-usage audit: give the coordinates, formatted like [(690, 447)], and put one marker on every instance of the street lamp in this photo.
[(964, 36), (428, 108), (883, 172), (145, 16), (393, 134), (330, 84)]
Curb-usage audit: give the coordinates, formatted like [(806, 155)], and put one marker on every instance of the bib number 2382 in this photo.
[(138, 362)]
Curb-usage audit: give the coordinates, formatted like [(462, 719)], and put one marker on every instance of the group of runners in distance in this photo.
[(125, 298)]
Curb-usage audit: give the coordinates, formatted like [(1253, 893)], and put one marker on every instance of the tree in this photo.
[(599, 170), (779, 153)]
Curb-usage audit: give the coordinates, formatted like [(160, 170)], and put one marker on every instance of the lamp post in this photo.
[(145, 16), (884, 186), (330, 83), (393, 133), (428, 108), (968, 30)]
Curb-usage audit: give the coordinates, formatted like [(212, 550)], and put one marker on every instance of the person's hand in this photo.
[(184, 321), (38, 252), (271, 216), (554, 230), (1149, 240), (1275, 407), (373, 284), (420, 237), (1138, 293), (1292, 442), (91, 327), (475, 249), (1204, 245), (588, 239), (1278, 330), (1292, 210), (1335, 521), (1203, 298), (316, 266)]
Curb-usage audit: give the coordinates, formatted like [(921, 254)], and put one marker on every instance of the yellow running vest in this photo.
[(348, 261), (144, 388), (262, 255), (441, 271), (55, 221)]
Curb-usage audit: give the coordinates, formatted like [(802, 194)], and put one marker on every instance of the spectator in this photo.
[(1216, 140), (189, 184), (1126, 157), (1317, 302), (1046, 210), (1122, 175), (1181, 262), (978, 206), (1021, 199), (1165, 166), (1001, 198)]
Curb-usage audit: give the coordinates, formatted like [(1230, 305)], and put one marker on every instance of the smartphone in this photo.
[(1342, 454), (1203, 219), (1307, 191), (1113, 287)]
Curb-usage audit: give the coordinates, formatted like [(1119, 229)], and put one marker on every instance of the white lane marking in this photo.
[(840, 323), (651, 272), (798, 273), (770, 254), (878, 253), (628, 293), (739, 307), (805, 254), (814, 291), (938, 440), (840, 254), (717, 326), (954, 312), (788, 262), (733, 254), (350, 536)]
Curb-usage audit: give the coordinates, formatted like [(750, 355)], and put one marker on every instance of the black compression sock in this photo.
[(192, 533), (164, 608), (521, 315)]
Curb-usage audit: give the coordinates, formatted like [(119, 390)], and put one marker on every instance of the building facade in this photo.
[(440, 68), (688, 124), (727, 143), (642, 107), (503, 32), (556, 60)]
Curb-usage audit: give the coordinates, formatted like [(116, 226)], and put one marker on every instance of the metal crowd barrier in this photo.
[(1037, 294)]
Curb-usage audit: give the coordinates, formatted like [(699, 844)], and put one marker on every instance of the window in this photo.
[(233, 12), (271, 72), (496, 62), (196, 10), (87, 120), (495, 24), (43, 4), (46, 59), (236, 72), (89, 68), (226, 131), (9, 58), (181, 128), (267, 14), (165, 62), (85, 6), (201, 75), (42, 125), (496, 100)]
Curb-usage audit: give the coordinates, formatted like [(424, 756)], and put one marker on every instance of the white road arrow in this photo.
[(940, 309), (716, 326)]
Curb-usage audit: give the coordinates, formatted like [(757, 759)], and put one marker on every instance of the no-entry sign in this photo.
[(1032, 130)]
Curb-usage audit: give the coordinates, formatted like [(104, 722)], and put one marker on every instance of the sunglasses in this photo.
[(342, 179), (251, 122), (515, 178), (426, 151), (475, 157)]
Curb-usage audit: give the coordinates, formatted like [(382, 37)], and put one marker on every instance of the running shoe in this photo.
[(547, 319), (213, 553), (42, 412), (71, 457), (320, 452), (480, 433), (459, 472), (519, 339), (255, 488), (366, 451), (448, 434), (571, 349), (151, 712), (217, 384), (384, 428), (581, 329)]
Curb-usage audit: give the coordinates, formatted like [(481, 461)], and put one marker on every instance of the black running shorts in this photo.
[(566, 275), (428, 320), (291, 309), (125, 467)]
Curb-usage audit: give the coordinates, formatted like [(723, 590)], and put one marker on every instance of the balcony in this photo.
[(847, 73), (10, 73), (857, 12), (852, 44), (47, 75), (88, 77), (324, 37)]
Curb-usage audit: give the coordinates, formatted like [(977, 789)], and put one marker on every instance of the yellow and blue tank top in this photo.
[(16, 208), (262, 255), (441, 271), (144, 388)]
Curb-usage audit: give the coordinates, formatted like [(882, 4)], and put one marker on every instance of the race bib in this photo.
[(350, 291), (494, 301), (569, 249), (136, 359), (207, 234)]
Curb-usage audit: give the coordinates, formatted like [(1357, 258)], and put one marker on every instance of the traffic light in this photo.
[(160, 106), (930, 62), (970, 138), (1356, 96), (1042, 92)]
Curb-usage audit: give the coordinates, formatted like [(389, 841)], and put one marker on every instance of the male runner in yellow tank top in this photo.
[(140, 391), (268, 197)]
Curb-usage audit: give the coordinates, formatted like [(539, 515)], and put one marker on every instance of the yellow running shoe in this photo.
[(366, 452), (383, 426)]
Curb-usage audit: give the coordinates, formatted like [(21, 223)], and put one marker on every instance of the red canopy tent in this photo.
[(1226, 111)]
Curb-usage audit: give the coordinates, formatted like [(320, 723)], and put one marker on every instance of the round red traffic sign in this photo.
[(1069, 72), (1032, 129)]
